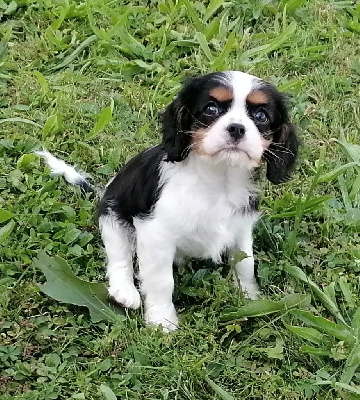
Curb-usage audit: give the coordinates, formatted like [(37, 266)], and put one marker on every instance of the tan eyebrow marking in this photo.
[(221, 93), (257, 97)]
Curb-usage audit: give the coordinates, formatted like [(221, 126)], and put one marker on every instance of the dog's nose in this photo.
[(236, 131)]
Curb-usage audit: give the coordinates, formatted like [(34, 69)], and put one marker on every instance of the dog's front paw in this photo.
[(251, 290), (125, 294), (164, 316)]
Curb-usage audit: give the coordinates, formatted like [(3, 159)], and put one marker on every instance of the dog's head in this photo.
[(231, 117)]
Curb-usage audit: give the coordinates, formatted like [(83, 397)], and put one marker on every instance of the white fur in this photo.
[(217, 142), (59, 167), (119, 247), (197, 215)]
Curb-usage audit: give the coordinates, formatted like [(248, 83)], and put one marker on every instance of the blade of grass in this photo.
[(69, 59), (300, 207), (332, 175), (218, 390), (325, 299), (258, 308), (193, 16), (219, 61), (273, 45), (204, 46), (211, 9), (104, 119), (340, 331), (310, 334)]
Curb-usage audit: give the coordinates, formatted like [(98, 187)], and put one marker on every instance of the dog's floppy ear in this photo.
[(176, 124), (282, 153)]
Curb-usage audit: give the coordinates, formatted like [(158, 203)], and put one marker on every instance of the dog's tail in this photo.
[(59, 167)]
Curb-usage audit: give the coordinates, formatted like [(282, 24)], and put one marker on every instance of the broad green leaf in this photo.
[(258, 308), (21, 120), (277, 351), (104, 119), (351, 365), (355, 323), (355, 189), (72, 235), (5, 215), (315, 351), (107, 392), (345, 386), (236, 257), (25, 160), (6, 230), (330, 291), (64, 286), (340, 331), (12, 7), (292, 5), (42, 81), (352, 151), (310, 334), (87, 42), (325, 299), (344, 192), (52, 125), (340, 385), (346, 289), (353, 215), (218, 390)]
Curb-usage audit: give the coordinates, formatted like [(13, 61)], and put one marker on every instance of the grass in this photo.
[(86, 80)]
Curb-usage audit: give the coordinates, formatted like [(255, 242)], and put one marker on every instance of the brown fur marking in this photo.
[(257, 97), (221, 93), (197, 139)]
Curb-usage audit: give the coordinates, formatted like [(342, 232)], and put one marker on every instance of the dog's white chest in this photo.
[(202, 211)]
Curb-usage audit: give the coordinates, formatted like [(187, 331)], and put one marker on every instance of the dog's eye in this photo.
[(212, 109), (261, 116)]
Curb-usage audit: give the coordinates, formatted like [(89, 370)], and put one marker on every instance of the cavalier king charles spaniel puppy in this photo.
[(193, 194)]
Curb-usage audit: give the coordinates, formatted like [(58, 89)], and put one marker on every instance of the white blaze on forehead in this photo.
[(242, 84)]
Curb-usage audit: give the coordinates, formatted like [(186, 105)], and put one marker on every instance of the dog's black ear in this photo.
[(176, 124), (282, 153)]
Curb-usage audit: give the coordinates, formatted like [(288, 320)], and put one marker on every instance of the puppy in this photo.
[(193, 195)]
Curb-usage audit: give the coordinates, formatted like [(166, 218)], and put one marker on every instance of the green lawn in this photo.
[(86, 81)]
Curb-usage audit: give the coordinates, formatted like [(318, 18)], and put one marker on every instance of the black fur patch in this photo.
[(282, 153), (135, 189), (186, 113), (85, 188)]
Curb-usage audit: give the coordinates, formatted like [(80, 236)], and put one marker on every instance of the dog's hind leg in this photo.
[(119, 245)]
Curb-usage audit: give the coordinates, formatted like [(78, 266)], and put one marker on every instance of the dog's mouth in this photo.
[(231, 149)]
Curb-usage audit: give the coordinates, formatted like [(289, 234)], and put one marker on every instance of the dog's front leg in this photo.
[(245, 268), (156, 256)]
